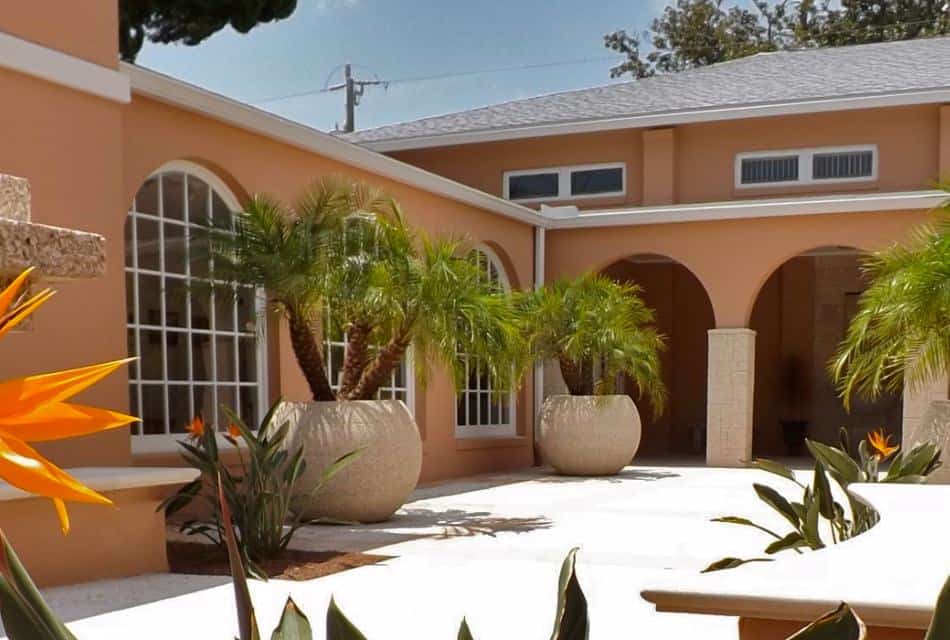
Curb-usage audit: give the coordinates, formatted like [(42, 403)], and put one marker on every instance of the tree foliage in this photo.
[(696, 33), (191, 21), (900, 333), (596, 329), (345, 258)]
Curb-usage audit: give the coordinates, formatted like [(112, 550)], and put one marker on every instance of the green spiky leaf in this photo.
[(339, 626), (939, 628), (570, 621), (293, 624), (840, 624), (464, 632), (731, 563)]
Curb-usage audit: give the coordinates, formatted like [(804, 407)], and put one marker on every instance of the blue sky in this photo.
[(400, 40)]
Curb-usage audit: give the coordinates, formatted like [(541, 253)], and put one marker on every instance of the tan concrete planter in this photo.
[(935, 427), (373, 487), (589, 435)]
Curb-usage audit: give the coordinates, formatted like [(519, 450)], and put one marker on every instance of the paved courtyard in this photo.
[(487, 548)]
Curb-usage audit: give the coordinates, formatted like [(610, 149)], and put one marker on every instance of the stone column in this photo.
[(730, 387), (916, 403)]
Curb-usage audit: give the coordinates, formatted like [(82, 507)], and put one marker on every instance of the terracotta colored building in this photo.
[(738, 196)]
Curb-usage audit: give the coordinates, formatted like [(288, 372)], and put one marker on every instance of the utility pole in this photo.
[(354, 91)]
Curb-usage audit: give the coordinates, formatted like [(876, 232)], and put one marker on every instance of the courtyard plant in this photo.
[(343, 261), (259, 489), (818, 518), (598, 331), (900, 335)]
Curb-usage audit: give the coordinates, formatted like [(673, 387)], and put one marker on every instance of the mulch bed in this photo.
[(196, 558)]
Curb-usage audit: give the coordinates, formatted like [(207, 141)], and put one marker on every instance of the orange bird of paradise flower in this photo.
[(233, 431), (195, 428), (34, 409), (881, 443)]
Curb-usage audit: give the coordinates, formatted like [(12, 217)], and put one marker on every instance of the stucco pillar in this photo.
[(730, 387), (659, 166), (915, 405), (944, 167)]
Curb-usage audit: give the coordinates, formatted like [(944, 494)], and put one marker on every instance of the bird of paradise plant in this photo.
[(35, 409)]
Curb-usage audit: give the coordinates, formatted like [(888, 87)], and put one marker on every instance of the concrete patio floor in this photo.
[(488, 548)]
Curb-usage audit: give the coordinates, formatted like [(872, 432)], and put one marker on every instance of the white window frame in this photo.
[(146, 442), (408, 373), (805, 166), (564, 182), (507, 429)]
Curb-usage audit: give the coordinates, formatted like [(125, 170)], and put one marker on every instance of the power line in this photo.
[(442, 76)]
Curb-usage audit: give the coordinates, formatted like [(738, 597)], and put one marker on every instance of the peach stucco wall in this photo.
[(695, 163), (68, 144), (154, 133), (731, 258), (87, 29)]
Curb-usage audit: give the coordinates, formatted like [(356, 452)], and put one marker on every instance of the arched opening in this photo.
[(198, 341), (684, 315), (800, 316), (482, 408)]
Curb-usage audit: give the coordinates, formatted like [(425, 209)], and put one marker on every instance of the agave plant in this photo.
[(900, 332), (345, 257), (596, 329), (818, 509)]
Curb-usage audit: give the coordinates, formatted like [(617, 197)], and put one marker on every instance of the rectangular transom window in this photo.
[(767, 170), (822, 165), (849, 164), (533, 185), (566, 183)]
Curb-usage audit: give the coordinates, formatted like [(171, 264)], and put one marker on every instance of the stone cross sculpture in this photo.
[(54, 252)]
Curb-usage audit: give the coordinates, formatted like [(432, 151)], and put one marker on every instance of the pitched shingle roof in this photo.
[(763, 79)]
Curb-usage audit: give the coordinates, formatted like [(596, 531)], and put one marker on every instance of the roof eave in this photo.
[(197, 100), (816, 105)]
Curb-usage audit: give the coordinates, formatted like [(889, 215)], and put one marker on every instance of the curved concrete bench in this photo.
[(891, 574), (104, 542)]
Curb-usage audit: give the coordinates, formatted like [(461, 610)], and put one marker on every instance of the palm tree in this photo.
[(597, 329), (345, 258), (900, 333)]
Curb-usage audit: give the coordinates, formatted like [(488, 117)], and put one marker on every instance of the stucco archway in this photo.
[(684, 315), (800, 314)]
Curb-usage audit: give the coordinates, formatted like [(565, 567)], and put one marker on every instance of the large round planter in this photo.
[(377, 483), (589, 435), (934, 427)]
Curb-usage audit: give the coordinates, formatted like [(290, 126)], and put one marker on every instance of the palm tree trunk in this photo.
[(577, 376), (357, 355), (309, 357), (379, 370)]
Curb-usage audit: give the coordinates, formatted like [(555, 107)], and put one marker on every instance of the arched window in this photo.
[(480, 408), (199, 342)]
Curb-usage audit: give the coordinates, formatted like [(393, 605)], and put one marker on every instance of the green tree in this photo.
[(900, 333), (344, 256), (191, 21), (696, 33), (596, 329)]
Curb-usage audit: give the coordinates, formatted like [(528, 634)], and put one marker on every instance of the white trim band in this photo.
[(198, 100), (63, 69), (669, 118), (761, 208)]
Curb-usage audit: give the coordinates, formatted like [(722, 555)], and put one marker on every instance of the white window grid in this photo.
[(564, 182), (481, 408), (248, 387), (805, 166), (400, 385)]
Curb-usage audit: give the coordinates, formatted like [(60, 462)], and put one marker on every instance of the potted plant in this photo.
[(344, 260), (597, 330)]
